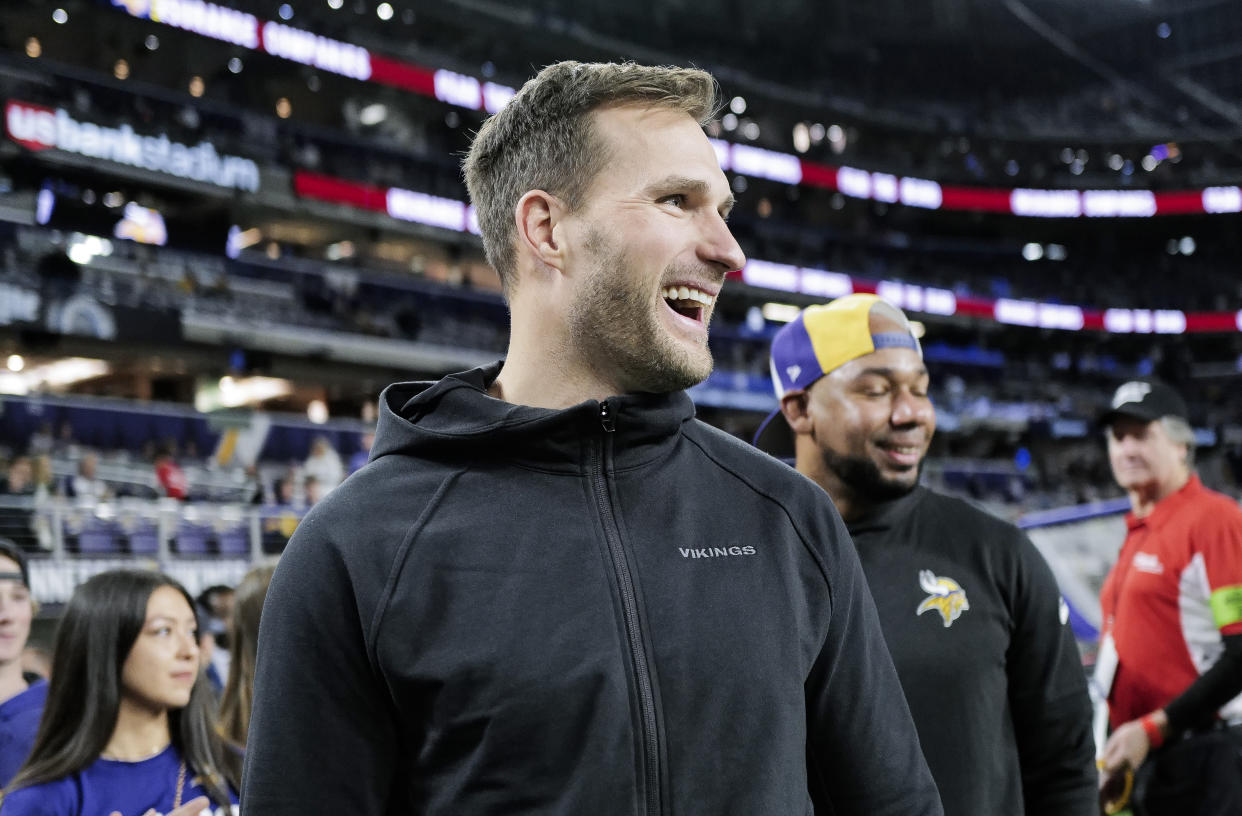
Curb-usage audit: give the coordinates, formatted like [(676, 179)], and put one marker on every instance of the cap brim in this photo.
[(775, 437), (1129, 413)]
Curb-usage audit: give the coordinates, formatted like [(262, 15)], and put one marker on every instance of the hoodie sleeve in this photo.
[(863, 750), (1048, 696), (322, 737)]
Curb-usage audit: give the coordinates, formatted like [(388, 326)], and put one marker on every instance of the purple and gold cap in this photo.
[(821, 339)]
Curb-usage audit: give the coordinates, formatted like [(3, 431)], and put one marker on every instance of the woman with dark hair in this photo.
[(127, 728), (244, 636)]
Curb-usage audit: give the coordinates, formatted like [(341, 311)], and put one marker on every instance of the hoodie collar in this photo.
[(887, 514), (455, 418)]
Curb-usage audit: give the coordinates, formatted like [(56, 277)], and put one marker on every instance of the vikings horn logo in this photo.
[(947, 597)]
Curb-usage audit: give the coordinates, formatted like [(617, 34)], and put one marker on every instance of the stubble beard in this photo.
[(614, 326), (864, 478)]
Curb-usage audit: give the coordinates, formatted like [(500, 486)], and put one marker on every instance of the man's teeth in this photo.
[(686, 293)]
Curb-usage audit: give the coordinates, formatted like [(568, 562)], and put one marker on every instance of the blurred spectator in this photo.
[(282, 518), (363, 453), (283, 494), (170, 475), (42, 477), (86, 484), (21, 695), (20, 478), (17, 514), (128, 722), (244, 635), (42, 440), (216, 614), (219, 601), (324, 464), (314, 491), (65, 445), (207, 650)]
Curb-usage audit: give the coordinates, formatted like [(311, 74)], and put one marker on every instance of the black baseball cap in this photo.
[(1146, 399)]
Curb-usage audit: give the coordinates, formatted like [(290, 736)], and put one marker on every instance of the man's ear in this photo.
[(796, 407), (537, 215)]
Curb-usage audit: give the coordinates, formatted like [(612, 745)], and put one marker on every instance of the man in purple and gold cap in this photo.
[(969, 609)]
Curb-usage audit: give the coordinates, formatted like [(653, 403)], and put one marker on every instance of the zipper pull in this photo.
[(606, 418)]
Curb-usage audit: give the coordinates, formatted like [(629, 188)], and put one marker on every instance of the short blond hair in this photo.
[(544, 139), (1179, 432)]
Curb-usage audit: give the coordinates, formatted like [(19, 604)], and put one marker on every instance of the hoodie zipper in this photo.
[(629, 604)]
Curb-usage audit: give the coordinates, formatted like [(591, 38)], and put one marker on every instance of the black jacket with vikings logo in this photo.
[(608, 609), (975, 623)]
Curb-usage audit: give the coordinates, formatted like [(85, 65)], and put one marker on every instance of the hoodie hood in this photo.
[(456, 418)]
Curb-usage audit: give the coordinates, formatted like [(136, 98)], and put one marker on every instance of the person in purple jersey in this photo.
[(127, 729), (21, 694)]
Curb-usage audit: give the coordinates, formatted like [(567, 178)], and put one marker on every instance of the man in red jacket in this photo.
[(1171, 653)]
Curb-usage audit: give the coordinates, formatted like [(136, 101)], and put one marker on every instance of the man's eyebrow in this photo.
[(700, 187), (883, 371)]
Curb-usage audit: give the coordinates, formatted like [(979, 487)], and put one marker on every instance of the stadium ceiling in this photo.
[(1172, 65)]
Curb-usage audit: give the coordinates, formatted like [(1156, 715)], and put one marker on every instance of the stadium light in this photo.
[(317, 411), (67, 371), (373, 114), (780, 312), (801, 137), (234, 392)]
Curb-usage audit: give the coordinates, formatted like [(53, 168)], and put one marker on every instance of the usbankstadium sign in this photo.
[(42, 128)]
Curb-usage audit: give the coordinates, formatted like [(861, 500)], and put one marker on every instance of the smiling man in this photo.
[(1172, 608), (970, 610), (552, 590)]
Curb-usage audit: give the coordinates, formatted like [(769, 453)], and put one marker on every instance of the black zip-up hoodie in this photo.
[(607, 609)]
